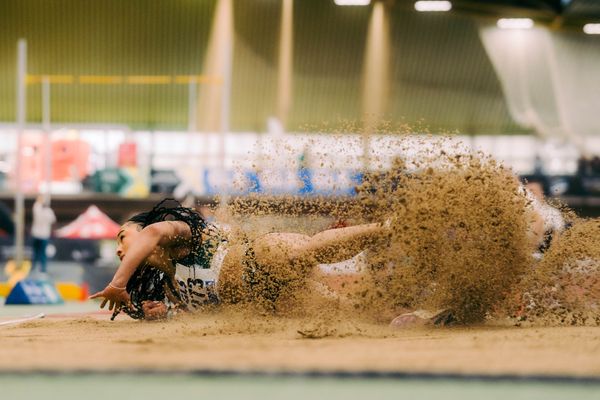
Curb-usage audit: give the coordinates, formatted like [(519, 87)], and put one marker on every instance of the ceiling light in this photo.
[(592, 29), (352, 2), (433, 6), (515, 23)]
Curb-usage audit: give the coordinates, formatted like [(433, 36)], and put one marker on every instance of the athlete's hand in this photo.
[(116, 297), (154, 310)]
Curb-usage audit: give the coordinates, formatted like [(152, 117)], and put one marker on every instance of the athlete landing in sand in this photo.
[(172, 259)]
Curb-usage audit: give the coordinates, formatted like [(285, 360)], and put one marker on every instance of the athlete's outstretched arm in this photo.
[(152, 242)]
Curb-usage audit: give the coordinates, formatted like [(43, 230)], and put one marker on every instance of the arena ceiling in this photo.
[(560, 13), (568, 9), (440, 72)]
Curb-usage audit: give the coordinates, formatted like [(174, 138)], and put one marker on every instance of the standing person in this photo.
[(43, 218), (6, 220), (166, 252)]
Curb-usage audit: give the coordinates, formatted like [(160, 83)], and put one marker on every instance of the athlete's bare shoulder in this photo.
[(172, 232)]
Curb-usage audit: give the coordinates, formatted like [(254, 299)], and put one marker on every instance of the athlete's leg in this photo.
[(330, 246), (36, 253), (42, 256), (231, 286), (279, 263)]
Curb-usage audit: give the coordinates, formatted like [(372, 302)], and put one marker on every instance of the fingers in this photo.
[(115, 302), (97, 294)]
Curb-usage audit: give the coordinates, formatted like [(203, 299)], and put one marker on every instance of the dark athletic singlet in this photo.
[(197, 273)]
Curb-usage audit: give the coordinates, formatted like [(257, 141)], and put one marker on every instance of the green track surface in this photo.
[(152, 386)]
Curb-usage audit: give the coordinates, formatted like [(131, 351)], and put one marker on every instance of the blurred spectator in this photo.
[(588, 167), (583, 166), (43, 218), (587, 177), (595, 166), (6, 221), (548, 221)]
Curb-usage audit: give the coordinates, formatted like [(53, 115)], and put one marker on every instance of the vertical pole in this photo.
[(191, 161), (192, 86), (226, 91), (284, 78), (47, 131), (21, 112), (226, 87), (376, 76)]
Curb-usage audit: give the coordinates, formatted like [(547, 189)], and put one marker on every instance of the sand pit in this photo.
[(459, 239), (218, 342)]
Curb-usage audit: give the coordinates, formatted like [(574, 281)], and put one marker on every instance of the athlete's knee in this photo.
[(277, 248)]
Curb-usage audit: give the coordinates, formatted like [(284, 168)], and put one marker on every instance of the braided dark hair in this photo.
[(150, 283)]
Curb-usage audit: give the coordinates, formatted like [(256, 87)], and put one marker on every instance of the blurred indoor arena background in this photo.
[(108, 106)]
